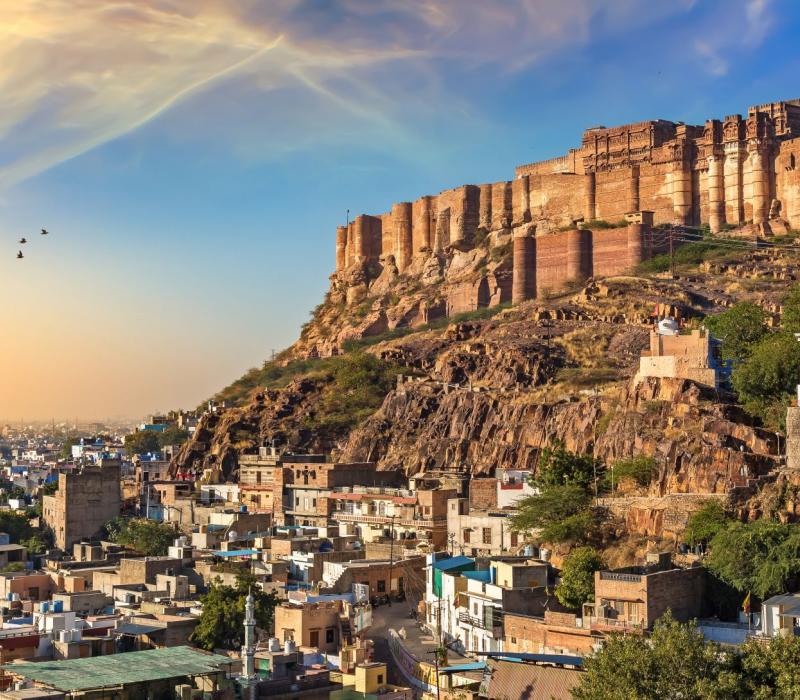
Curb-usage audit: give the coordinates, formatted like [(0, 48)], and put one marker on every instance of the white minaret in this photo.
[(248, 650)]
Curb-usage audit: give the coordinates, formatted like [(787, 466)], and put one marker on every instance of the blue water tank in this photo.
[(242, 508), (44, 607), (58, 606)]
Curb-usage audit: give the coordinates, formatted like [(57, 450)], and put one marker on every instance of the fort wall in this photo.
[(732, 171)]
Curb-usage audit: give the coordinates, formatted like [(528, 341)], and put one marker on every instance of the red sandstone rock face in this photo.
[(696, 443)]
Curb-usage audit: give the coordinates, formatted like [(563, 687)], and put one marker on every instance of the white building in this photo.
[(512, 486)]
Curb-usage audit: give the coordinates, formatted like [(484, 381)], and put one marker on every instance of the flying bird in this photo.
[(45, 231), (20, 255), (23, 240)]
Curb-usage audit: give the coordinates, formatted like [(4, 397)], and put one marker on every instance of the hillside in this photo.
[(490, 389)]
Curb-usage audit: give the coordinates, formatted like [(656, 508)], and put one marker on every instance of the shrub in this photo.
[(706, 522)]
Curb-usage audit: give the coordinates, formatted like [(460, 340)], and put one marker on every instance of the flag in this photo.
[(746, 604)]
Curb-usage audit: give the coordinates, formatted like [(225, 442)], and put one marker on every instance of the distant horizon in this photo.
[(192, 164)]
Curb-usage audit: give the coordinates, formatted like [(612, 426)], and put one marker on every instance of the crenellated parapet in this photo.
[(727, 172)]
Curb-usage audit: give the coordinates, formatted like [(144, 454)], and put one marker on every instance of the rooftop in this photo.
[(120, 669)]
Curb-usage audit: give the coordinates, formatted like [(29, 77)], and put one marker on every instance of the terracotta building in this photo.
[(85, 501), (375, 514), (633, 598), (306, 487), (310, 624)]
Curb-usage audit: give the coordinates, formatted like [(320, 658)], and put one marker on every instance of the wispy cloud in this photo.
[(75, 74), (731, 28)]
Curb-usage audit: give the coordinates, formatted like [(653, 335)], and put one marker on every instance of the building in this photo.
[(633, 598), (480, 532), (316, 625), (306, 486), (152, 673), (376, 513), (85, 501), (512, 486), (780, 615), (258, 486), (736, 171), (550, 633), (694, 356), (382, 577)]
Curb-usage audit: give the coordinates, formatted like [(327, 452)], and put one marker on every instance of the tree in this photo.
[(790, 318), (739, 328), (49, 488), (173, 435), (766, 380), (577, 577), (772, 671), (706, 522), (639, 469), (149, 537), (142, 441), (674, 663), (553, 503), (221, 622), (762, 557), (559, 467), (66, 448)]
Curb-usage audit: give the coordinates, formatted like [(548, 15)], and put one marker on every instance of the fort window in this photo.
[(314, 638), (330, 635), (487, 535)]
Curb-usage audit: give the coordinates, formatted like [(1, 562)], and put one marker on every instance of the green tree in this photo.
[(66, 448), (790, 318), (221, 622), (772, 671), (560, 467), (49, 488), (552, 504), (639, 469), (706, 522), (16, 525), (577, 577), (173, 436), (149, 537), (762, 557), (766, 380), (142, 441), (675, 663), (739, 328)]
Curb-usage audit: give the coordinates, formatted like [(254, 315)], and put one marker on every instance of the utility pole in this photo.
[(671, 253), (391, 560)]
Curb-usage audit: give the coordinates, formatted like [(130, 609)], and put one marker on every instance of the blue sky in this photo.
[(193, 159)]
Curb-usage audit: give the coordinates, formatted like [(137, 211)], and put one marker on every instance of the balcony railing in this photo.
[(617, 576), (387, 520), (495, 628), (614, 623)]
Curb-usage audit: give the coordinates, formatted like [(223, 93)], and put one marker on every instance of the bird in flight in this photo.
[(20, 255), (45, 231), (23, 240)]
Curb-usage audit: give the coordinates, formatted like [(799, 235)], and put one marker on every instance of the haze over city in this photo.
[(192, 160)]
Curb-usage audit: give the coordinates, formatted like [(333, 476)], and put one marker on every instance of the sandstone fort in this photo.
[(591, 212)]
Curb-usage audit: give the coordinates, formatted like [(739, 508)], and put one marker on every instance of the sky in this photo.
[(192, 158)]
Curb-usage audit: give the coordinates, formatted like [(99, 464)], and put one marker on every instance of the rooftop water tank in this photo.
[(668, 326), (58, 606), (529, 550), (544, 554), (289, 647), (274, 644)]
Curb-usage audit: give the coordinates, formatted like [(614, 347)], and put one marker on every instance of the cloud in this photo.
[(728, 30), (714, 63), (75, 74)]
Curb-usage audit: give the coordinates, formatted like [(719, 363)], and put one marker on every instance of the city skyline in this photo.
[(192, 164)]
